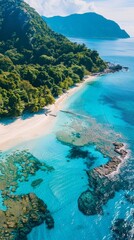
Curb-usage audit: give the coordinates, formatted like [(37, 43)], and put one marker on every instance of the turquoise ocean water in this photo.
[(110, 100)]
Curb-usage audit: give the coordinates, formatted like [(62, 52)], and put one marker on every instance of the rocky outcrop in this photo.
[(119, 148), (101, 189), (102, 184), (109, 168), (113, 165), (112, 68), (122, 230), (22, 214)]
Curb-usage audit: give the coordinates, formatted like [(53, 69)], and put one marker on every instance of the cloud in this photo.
[(61, 7), (120, 11)]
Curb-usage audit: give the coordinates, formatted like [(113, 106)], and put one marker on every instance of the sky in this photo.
[(121, 11)]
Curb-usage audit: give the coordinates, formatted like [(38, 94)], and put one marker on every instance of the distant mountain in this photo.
[(36, 64), (87, 25)]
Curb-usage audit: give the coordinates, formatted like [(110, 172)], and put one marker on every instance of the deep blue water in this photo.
[(110, 100)]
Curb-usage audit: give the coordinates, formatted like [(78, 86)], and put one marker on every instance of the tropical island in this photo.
[(87, 25), (36, 64), (37, 68)]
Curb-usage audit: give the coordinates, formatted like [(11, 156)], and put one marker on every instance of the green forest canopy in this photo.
[(36, 64)]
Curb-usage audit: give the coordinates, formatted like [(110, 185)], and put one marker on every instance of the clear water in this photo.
[(109, 99)]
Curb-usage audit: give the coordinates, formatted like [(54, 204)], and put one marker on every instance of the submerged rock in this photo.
[(122, 230), (17, 167), (89, 204), (22, 214), (129, 198), (101, 190), (91, 132), (37, 182), (77, 152)]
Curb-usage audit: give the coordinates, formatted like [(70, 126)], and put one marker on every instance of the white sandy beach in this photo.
[(22, 130)]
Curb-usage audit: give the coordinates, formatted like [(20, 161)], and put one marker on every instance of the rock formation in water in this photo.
[(122, 229), (23, 213), (102, 184)]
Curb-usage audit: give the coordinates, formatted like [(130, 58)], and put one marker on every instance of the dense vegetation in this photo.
[(87, 25), (36, 64)]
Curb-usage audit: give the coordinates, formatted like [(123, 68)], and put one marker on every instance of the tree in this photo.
[(56, 90), (16, 106), (79, 70), (44, 59), (17, 58), (87, 62), (5, 63)]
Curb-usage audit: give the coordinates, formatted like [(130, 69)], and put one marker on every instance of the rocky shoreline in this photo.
[(112, 68), (113, 165), (103, 183), (23, 213)]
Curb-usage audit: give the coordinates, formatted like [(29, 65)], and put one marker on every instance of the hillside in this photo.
[(36, 64), (87, 25)]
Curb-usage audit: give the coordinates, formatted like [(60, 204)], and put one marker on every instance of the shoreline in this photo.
[(112, 167), (33, 126)]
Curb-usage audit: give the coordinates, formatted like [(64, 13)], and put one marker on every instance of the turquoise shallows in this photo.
[(110, 100)]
